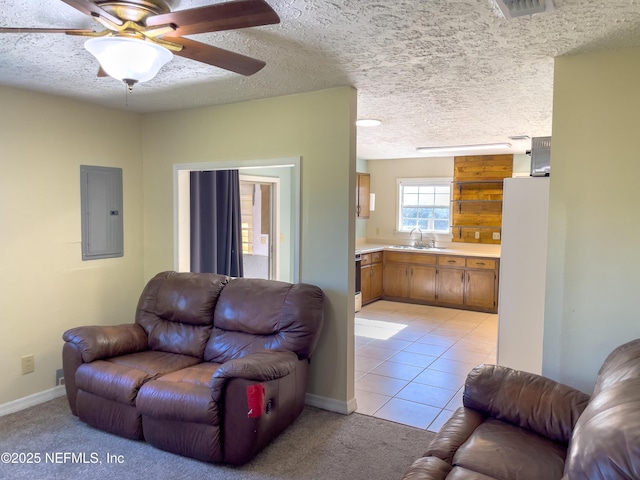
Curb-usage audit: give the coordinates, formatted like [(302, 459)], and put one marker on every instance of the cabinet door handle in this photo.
[(451, 261), (462, 277), (481, 263)]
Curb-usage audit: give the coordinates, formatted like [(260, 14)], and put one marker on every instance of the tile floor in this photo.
[(411, 360)]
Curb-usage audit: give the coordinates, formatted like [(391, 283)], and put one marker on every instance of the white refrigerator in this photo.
[(523, 266)]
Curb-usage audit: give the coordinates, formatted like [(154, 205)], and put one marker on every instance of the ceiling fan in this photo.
[(140, 35)]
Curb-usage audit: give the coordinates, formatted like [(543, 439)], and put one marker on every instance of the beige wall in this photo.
[(594, 224), (46, 287), (319, 128), (381, 225)]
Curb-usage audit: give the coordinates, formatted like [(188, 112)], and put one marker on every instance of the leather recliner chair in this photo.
[(520, 426)]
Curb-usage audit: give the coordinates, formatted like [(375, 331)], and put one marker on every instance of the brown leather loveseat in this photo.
[(213, 367), (520, 426)]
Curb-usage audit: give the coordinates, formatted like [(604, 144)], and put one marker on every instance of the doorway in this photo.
[(259, 207), (283, 177)]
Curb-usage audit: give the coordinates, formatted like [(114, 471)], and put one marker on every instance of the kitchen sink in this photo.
[(411, 247)]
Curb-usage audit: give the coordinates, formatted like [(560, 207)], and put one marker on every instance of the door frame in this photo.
[(181, 221)]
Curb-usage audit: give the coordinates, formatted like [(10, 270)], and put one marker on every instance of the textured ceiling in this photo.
[(436, 72)]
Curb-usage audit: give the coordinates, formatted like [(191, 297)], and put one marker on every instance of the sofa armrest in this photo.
[(454, 433), (105, 341), (525, 399), (428, 468), (260, 366)]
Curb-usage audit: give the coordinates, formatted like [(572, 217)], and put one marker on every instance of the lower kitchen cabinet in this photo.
[(450, 286), (422, 283), (371, 277), (446, 280), (481, 289), (409, 276)]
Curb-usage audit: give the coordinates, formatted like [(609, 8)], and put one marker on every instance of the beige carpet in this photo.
[(319, 445)]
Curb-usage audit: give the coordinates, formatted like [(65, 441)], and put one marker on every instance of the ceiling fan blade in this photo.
[(214, 18), (91, 9), (218, 57), (69, 31)]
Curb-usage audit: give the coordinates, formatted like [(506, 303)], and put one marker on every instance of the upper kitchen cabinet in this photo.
[(476, 205), (363, 187)]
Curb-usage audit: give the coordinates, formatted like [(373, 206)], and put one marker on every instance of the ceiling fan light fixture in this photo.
[(368, 122), (130, 60)]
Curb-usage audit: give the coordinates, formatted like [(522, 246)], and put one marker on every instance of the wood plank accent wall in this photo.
[(476, 205)]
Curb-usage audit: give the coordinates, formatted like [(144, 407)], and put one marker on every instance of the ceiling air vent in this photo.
[(519, 8)]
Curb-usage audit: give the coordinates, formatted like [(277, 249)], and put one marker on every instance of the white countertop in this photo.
[(467, 250)]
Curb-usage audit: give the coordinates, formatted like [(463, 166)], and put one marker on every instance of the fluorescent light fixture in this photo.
[(464, 148), (368, 122), (128, 59)]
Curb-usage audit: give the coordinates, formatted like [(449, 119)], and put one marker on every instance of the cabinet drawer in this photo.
[(487, 263), (451, 261), (413, 258), (365, 259), (376, 257)]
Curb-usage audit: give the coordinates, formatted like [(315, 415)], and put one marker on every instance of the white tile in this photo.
[(369, 403), (408, 413), (380, 384)]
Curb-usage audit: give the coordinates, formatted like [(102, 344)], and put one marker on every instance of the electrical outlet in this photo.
[(28, 364), (496, 235), (477, 235)]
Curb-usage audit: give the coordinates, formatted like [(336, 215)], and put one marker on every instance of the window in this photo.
[(424, 204)]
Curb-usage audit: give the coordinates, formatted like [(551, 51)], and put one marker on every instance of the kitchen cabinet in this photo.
[(450, 286), (363, 189), (422, 283), (409, 276), (455, 281), (468, 282), (371, 277)]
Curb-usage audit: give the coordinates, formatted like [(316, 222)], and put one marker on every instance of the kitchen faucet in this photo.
[(416, 243)]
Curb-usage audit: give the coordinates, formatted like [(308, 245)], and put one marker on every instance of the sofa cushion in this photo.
[(120, 378), (111, 381), (176, 311), (183, 396), (503, 451), (254, 314), (155, 363)]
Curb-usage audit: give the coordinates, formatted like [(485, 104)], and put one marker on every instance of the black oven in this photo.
[(358, 260)]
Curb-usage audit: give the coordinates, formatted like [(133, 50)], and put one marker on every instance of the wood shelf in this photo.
[(476, 204)]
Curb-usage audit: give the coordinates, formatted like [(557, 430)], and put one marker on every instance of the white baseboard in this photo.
[(331, 404), (31, 400)]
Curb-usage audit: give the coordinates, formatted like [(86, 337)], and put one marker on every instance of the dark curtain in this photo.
[(216, 230)]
